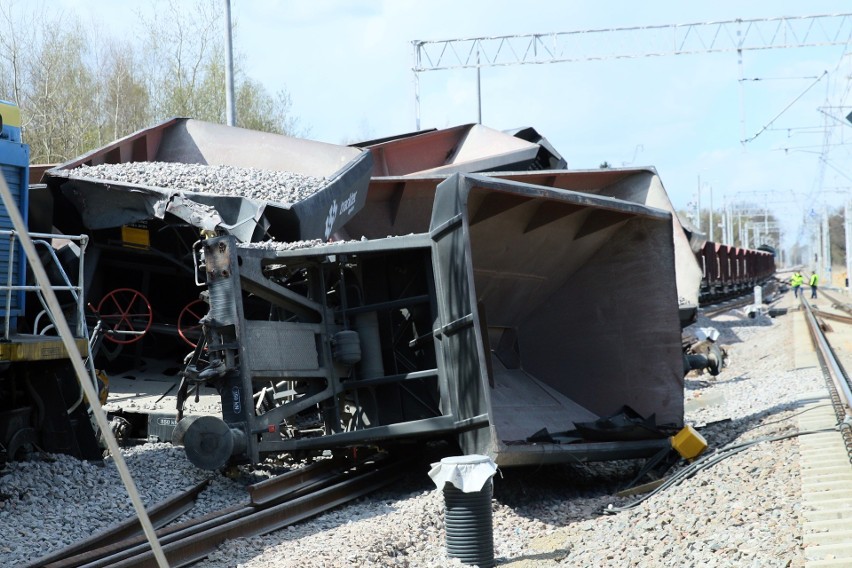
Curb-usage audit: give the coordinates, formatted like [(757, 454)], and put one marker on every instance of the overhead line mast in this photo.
[(627, 43)]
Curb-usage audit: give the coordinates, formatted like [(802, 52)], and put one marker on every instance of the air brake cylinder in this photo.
[(346, 347)]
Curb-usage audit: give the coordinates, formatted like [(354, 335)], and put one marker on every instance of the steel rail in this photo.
[(729, 305), (94, 557), (836, 303), (276, 503), (183, 550), (834, 317), (310, 478), (836, 378), (743, 298), (290, 484), (160, 514)]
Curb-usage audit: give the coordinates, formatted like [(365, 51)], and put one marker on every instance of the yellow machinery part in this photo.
[(11, 114), (38, 348), (135, 236), (688, 443), (103, 386)]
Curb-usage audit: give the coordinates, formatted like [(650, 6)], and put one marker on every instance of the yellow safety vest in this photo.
[(814, 279)]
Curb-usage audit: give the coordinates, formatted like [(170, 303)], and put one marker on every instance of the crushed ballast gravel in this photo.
[(743, 511)]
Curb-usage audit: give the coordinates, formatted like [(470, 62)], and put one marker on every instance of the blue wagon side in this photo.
[(14, 162)]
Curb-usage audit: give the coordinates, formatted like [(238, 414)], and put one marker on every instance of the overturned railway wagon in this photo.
[(733, 271), (515, 314), (512, 311)]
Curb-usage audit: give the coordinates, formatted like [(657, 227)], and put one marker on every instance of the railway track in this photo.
[(716, 307), (838, 304), (273, 504), (826, 459), (727, 305)]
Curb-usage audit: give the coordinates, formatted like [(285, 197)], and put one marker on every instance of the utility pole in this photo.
[(847, 218), (813, 243), (727, 222), (825, 271), (230, 112), (478, 92), (740, 228), (699, 204), (711, 214), (765, 216)]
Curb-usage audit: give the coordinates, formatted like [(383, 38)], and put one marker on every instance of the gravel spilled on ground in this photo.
[(743, 511)]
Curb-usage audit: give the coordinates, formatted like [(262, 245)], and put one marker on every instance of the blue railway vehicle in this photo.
[(14, 161), (41, 402)]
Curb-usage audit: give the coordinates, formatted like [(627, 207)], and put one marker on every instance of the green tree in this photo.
[(79, 88), (57, 97), (186, 60), (124, 100)]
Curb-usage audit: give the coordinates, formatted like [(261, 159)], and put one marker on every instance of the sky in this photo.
[(347, 66)]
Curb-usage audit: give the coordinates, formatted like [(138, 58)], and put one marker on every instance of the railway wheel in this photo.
[(127, 315), (188, 324)]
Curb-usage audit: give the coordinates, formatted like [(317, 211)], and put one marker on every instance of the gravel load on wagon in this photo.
[(274, 245), (251, 183), (279, 245)]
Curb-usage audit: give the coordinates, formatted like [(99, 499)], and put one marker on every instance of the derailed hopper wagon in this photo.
[(142, 232), (522, 310), (144, 200)]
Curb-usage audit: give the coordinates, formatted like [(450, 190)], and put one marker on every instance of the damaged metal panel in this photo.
[(113, 204), (465, 149), (189, 141)]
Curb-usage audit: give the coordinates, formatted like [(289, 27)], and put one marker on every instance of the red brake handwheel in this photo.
[(125, 310), (189, 327)]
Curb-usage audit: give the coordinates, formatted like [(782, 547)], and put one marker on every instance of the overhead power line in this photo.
[(632, 42), (777, 116), (627, 43)]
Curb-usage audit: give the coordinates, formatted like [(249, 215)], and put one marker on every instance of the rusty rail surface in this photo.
[(275, 503), (828, 315), (160, 514)]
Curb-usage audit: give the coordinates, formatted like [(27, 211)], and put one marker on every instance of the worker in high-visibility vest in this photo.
[(813, 283), (796, 282)]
